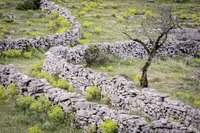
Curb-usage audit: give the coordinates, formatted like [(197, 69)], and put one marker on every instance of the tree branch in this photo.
[(139, 41)]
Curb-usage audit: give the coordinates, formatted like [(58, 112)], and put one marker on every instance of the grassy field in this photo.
[(171, 76), (16, 23), (22, 63), (104, 21), (15, 120)]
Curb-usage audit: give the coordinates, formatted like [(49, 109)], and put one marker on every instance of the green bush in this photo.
[(97, 30), (3, 31), (35, 129), (109, 126), (35, 70), (3, 95), (63, 84), (84, 3), (92, 54), (87, 24), (12, 53), (28, 5), (183, 16), (12, 89), (120, 19), (115, 6), (93, 93), (84, 41), (92, 4), (55, 113), (113, 13), (40, 105), (25, 102), (82, 13), (27, 54), (132, 11), (86, 35)]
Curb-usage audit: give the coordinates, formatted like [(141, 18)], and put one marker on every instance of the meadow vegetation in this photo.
[(106, 20), (16, 22)]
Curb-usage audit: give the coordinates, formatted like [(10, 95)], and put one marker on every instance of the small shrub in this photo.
[(183, 16), (120, 20), (92, 54), (82, 13), (137, 78), (113, 13), (93, 93), (63, 84), (55, 113), (86, 35), (25, 102), (194, 16), (12, 89), (3, 31), (124, 15), (12, 53), (84, 41), (27, 5), (109, 126), (40, 105), (27, 55), (132, 11), (35, 129), (196, 103), (87, 24), (9, 20), (105, 6), (115, 6), (149, 13), (35, 70), (92, 4), (97, 30), (84, 3), (3, 95)]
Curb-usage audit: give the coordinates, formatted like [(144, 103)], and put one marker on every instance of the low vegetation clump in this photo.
[(28, 5), (93, 93), (3, 95), (56, 113), (12, 90), (26, 113), (92, 54), (109, 126), (35, 129), (53, 79)]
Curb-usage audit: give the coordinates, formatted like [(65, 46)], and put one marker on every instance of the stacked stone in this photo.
[(121, 92), (87, 113), (67, 38)]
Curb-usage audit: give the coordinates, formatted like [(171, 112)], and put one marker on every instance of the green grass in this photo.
[(172, 76), (23, 64), (112, 27), (28, 24), (13, 119)]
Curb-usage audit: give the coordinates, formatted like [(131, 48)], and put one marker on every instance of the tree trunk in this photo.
[(144, 80)]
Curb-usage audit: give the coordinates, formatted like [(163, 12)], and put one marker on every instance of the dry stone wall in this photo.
[(68, 38), (87, 113), (122, 93)]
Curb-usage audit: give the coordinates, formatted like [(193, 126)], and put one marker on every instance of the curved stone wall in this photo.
[(68, 38), (122, 93), (87, 113)]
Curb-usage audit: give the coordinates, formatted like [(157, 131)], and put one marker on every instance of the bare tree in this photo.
[(156, 29)]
